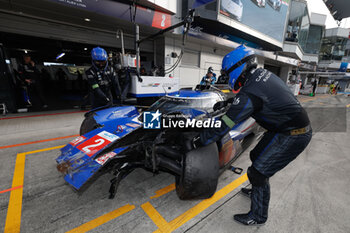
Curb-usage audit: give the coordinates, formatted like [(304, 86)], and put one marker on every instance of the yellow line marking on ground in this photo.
[(203, 205), (163, 191), (14, 209), (13, 217), (45, 149), (313, 98), (102, 219), (157, 219)]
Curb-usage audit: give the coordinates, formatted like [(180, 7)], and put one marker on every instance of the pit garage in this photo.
[(59, 39), (63, 80)]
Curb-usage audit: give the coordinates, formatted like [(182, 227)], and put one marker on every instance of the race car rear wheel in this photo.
[(88, 125), (200, 173)]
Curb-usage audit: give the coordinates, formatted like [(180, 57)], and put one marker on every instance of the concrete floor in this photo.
[(310, 195)]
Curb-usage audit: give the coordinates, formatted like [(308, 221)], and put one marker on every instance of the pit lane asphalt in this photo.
[(310, 195)]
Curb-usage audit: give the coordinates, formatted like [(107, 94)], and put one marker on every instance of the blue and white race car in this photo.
[(115, 140)]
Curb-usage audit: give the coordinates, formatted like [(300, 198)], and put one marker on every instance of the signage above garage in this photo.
[(264, 16), (146, 16)]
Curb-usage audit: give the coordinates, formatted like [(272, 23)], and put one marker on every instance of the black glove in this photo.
[(230, 100), (219, 105), (139, 78)]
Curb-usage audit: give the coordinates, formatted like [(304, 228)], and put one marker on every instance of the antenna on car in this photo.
[(166, 93)]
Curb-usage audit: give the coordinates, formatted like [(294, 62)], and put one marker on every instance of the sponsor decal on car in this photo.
[(108, 136), (132, 125), (96, 143), (77, 140), (120, 128), (103, 159)]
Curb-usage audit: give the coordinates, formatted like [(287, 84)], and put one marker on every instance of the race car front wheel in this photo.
[(200, 173)]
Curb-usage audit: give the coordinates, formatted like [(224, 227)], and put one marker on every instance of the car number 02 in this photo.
[(98, 143)]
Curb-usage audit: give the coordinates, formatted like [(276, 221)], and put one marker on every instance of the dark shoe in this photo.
[(246, 192), (245, 219)]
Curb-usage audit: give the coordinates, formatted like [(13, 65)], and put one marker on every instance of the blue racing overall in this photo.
[(102, 83)]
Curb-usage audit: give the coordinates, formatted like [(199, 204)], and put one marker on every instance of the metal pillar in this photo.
[(137, 47)]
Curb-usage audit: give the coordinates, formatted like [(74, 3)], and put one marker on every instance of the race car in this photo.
[(117, 140)]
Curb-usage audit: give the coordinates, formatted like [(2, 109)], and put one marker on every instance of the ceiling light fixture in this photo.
[(60, 56), (87, 19)]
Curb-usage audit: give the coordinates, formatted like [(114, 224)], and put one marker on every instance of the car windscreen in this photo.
[(172, 104)]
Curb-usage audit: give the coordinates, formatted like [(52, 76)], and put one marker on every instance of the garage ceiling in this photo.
[(58, 13)]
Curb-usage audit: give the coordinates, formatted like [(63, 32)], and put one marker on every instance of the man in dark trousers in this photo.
[(267, 99), (102, 79), (31, 77)]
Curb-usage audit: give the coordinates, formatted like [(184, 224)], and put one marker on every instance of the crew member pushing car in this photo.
[(267, 99), (102, 79)]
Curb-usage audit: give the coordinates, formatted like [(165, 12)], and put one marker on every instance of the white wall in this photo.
[(190, 76), (260, 62), (170, 5)]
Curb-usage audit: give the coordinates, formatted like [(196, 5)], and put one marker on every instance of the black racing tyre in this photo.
[(200, 173), (88, 125)]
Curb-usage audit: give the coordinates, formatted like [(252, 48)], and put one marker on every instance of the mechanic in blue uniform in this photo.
[(209, 78), (102, 79), (266, 98)]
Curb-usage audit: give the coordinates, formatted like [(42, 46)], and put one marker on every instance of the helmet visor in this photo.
[(100, 64)]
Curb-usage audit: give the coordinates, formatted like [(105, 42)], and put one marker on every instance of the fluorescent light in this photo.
[(53, 64), (87, 19), (25, 51), (60, 56), (57, 64)]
